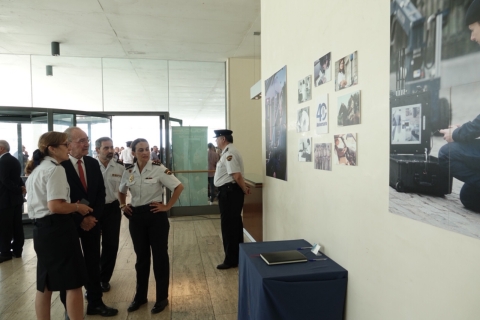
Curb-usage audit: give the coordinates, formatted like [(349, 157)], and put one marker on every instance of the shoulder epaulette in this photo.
[(120, 162), (167, 172), (57, 164), (156, 162), (130, 166)]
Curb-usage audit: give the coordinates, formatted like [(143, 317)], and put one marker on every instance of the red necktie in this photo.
[(82, 174)]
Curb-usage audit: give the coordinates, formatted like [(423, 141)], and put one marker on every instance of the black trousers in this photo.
[(90, 241), (230, 202), (149, 232), (110, 226), (11, 230)]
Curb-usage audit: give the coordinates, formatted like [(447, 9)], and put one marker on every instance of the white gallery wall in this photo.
[(398, 268)]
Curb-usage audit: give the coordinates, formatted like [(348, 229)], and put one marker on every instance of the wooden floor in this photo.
[(197, 289)]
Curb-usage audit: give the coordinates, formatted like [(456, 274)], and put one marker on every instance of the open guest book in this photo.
[(282, 257)]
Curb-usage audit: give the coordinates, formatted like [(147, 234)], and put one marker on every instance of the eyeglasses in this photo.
[(58, 145), (83, 141)]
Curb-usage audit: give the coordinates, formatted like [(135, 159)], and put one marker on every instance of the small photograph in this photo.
[(345, 149), (305, 149), (349, 109), (305, 89), (346, 72), (323, 156), (303, 120), (406, 124), (321, 123), (321, 70)]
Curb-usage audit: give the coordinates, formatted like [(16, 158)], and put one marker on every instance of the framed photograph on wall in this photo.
[(321, 117), (276, 125), (322, 72), (305, 149), (305, 89), (349, 109), (303, 120), (322, 155), (346, 71), (345, 149)]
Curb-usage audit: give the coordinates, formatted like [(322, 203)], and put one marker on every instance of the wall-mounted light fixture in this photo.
[(256, 89), (55, 48), (49, 71)]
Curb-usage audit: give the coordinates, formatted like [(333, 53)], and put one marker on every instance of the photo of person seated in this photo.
[(322, 70)]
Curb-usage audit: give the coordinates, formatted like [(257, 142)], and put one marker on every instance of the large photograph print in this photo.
[(276, 125), (434, 118)]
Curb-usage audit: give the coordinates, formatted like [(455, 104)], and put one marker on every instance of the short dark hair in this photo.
[(98, 142), (137, 141), (229, 138), (129, 143)]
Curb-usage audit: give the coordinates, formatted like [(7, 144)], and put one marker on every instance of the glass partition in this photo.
[(95, 127), (62, 121)]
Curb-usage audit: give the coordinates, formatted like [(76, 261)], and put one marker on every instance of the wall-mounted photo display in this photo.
[(345, 149), (276, 125), (321, 118), (303, 120), (346, 71), (305, 149), (349, 109), (322, 73), (322, 156), (305, 89)]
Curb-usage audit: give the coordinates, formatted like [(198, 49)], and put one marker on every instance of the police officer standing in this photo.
[(149, 224), (111, 218), (232, 189)]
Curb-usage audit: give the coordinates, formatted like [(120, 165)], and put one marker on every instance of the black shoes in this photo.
[(224, 266), (102, 310), (105, 286), (5, 258), (136, 304), (160, 306)]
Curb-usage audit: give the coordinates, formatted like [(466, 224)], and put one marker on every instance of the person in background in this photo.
[(126, 155), (149, 224), (154, 153), (12, 190), (86, 184), (116, 154), (232, 189), (213, 158), (60, 263), (112, 171), (461, 155)]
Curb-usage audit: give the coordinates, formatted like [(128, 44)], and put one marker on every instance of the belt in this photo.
[(142, 209), (231, 185)]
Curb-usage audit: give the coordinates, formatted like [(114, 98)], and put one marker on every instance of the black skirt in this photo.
[(60, 263)]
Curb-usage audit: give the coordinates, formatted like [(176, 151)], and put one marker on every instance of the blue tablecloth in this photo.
[(308, 290)]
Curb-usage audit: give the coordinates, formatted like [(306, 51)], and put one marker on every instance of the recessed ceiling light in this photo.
[(136, 52)]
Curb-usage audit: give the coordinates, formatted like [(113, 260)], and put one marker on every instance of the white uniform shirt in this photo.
[(112, 176), (147, 187), (230, 162), (126, 155), (47, 182)]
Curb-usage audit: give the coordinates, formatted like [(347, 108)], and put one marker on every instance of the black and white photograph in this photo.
[(345, 149), (434, 118), (305, 89), (322, 72), (349, 109), (303, 120), (305, 149), (323, 156), (321, 117), (346, 71), (276, 125)]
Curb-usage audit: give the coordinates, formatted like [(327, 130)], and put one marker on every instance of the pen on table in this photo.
[(321, 259), (301, 248)]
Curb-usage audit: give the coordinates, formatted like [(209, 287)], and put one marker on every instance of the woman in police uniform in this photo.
[(149, 224), (60, 264)]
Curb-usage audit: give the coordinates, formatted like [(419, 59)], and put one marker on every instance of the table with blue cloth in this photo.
[(305, 290)]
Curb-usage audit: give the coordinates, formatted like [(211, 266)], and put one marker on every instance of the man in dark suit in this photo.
[(86, 183), (12, 190)]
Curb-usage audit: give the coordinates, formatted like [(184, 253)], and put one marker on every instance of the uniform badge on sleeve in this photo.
[(168, 172), (229, 158)]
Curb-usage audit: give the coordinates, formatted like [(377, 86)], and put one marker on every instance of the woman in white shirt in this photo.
[(60, 263), (341, 79)]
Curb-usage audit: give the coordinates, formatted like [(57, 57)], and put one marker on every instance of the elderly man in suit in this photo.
[(86, 184), (12, 190)]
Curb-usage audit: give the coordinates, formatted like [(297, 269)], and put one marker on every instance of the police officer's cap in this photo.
[(473, 13), (223, 132)]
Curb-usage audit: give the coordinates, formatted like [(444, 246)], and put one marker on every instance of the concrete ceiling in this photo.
[(132, 35)]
